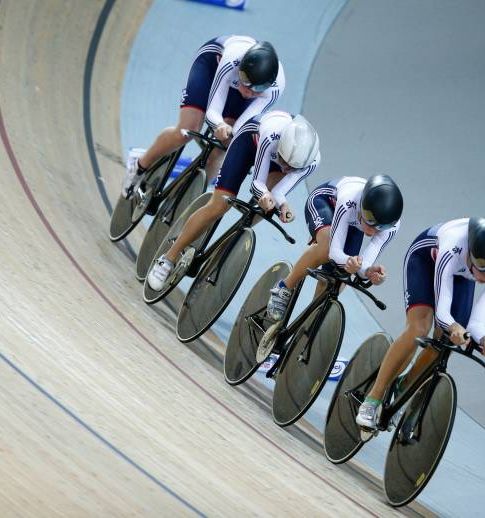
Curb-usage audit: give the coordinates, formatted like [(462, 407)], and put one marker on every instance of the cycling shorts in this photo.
[(239, 159), (199, 83), (319, 211), (418, 275)]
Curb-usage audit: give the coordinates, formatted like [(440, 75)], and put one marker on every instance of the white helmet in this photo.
[(299, 143)]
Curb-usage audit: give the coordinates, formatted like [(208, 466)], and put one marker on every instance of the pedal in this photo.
[(267, 342), (366, 434)]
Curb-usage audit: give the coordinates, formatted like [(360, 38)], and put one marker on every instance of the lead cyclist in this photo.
[(232, 79)]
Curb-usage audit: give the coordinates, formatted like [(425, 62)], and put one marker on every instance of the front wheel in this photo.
[(169, 211), (128, 213), (308, 363), (420, 439), (240, 358), (215, 285), (342, 438)]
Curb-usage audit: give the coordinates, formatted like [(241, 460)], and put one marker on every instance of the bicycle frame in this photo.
[(200, 161), (284, 336), (235, 230), (324, 300), (439, 365)]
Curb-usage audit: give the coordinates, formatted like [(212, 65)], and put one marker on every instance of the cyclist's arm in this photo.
[(476, 324), (264, 102), (291, 180), (338, 233), (261, 168), (218, 92), (258, 105), (443, 288), (375, 247)]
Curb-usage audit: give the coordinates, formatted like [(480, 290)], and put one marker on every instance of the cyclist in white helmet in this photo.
[(283, 150)]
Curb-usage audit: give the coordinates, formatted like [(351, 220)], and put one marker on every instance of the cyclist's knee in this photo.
[(217, 205), (419, 320), (420, 327)]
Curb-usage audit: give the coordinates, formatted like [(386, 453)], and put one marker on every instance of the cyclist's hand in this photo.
[(376, 274), (266, 202), (223, 131), (456, 334), (353, 264), (286, 214)]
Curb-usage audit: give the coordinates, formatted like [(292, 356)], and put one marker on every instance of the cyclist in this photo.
[(441, 268), (232, 79), (283, 149), (338, 214)]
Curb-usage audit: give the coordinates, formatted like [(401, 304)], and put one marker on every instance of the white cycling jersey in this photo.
[(227, 76), (271, 126), (451, 260), (348, 192)]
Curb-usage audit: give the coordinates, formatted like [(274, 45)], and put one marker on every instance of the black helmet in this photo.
[(259, 67), (476, 242), (381, 203)]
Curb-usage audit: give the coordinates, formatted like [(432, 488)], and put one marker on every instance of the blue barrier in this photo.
[(233, 4), (181, 164), (338, 369)]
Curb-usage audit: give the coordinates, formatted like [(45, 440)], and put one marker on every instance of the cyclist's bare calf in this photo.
[(171, 138), (315, 255), (199, 222), (401, 352)]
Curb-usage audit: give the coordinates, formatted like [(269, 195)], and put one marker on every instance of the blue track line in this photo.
[(91, 430)]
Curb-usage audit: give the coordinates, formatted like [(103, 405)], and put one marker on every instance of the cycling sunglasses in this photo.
[(368, 218), (479, 264), (244, 80)]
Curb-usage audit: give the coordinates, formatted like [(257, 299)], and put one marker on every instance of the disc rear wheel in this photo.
[(128, 213), (150, 295), (240, 358), (169, 211), (342, 438), (308, 363), (215, 285), (420, 439)]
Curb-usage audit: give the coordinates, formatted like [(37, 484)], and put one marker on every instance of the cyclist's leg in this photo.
[(401, 352), (171, 138), (318, 217), (193, 104), (233, 171), (315, 255), (461, 307), (419, 300), (198, 223)]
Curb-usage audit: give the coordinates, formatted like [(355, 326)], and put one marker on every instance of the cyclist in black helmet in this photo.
[(232, 79), (441, 268), (338, 214)]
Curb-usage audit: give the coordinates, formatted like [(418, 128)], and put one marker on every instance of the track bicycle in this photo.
[(427, 407), (128, 212), (307, 347), (218, 268), (175, 198)]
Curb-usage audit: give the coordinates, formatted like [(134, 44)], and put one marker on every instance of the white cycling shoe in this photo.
[(159, 273), (132, 180), (368, 416)]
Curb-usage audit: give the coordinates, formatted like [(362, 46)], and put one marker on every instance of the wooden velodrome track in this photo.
[(103, 412)]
